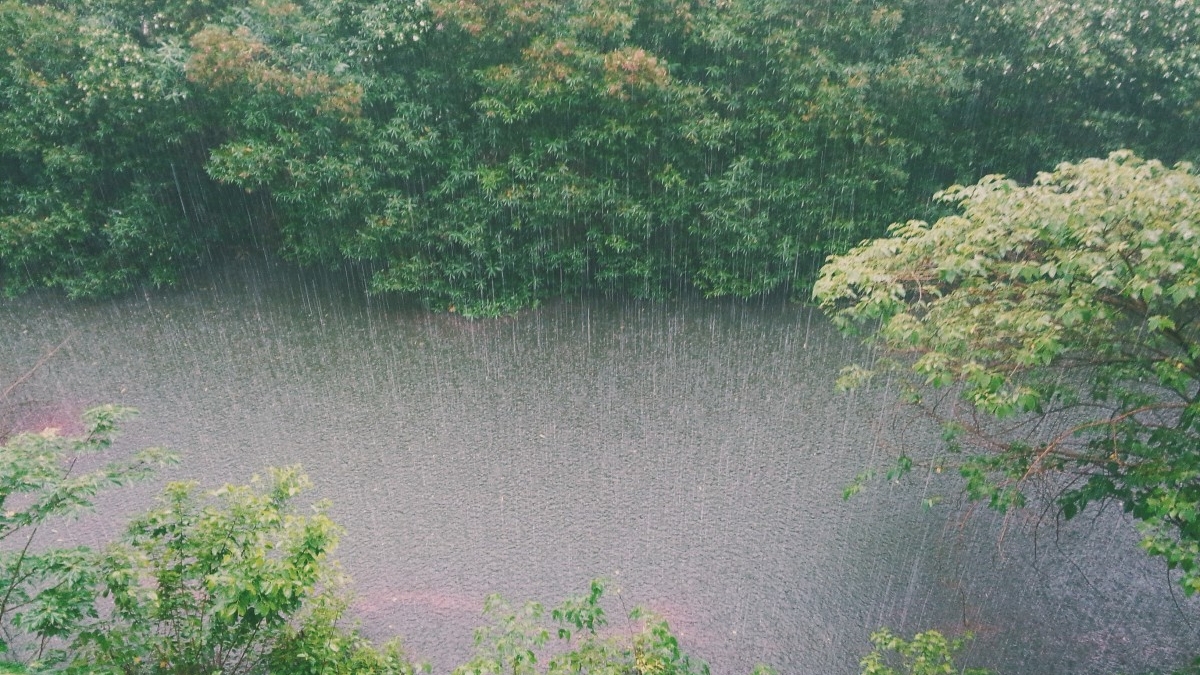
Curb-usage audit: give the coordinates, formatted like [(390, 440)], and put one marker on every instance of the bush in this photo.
[(47, 594), (234, 582)]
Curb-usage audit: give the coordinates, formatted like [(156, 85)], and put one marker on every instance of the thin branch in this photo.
[(25, 549), (42, 361), (1054, 445)]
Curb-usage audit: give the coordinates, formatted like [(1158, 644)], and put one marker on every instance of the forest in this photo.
[(481, 156)]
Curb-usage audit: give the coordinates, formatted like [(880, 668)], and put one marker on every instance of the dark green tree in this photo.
[(483, 155), (99, 181)]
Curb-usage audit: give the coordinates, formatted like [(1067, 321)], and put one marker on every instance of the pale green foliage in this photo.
[(46, 593), (575, 641), (317, 644), (240, 580), (928, 653), (1071, 303), (236, 581)]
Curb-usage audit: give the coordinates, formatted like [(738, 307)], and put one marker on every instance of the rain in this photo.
[(693, 453)]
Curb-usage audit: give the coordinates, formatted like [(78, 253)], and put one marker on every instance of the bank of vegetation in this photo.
[(485, 154)]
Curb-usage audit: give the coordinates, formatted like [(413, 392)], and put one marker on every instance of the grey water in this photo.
[(692, 453)]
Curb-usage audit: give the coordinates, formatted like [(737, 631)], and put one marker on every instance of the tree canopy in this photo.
[(1055, 329), (487, 154)]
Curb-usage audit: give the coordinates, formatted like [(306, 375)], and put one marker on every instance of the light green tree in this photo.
[(47, 593), (574, 641), (927, 653), (1054, 329), (235, 581)]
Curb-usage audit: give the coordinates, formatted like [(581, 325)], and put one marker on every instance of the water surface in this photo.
[(694, 453)]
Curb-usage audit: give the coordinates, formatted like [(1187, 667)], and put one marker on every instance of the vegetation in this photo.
[(927, 653), (522, 642), (1052, 328), (240, 581), (46, 594), (482, 155), (242, 585), (486, 154)]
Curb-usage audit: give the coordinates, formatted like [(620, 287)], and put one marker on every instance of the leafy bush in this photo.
[(238, 583), (574, 640), (927, 653), (235, 581), (46, 594)]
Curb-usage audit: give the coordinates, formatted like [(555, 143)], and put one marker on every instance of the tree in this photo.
[(46, 594), (236, 583), (1054, 330), (484, 155)]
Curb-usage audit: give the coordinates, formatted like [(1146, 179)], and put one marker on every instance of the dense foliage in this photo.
[(485, 154), (242, 585), (1055, 330)]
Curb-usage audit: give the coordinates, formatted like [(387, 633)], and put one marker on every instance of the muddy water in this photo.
[(692, 453)]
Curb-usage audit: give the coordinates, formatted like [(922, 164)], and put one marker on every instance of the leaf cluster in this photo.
[(927, 653), (46, 594), (239, 580), (1063, 317), (577, 639), (235, 581)]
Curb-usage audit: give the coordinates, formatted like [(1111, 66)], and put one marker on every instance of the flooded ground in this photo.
[(694, 453)]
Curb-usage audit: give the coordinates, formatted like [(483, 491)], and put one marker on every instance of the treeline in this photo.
[(485, 154)]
